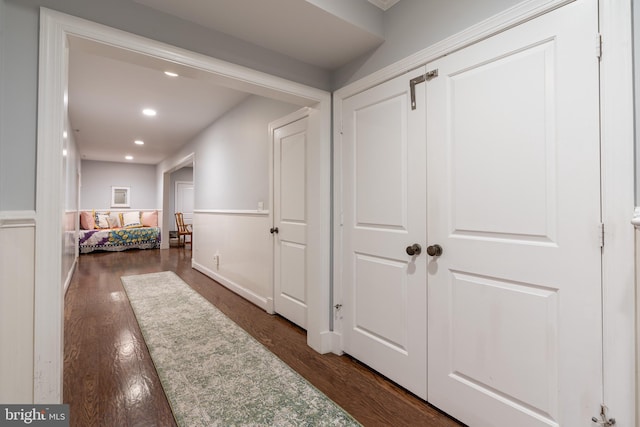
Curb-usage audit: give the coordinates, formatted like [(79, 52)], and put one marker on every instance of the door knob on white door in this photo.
[(414, 249), (434, 250)]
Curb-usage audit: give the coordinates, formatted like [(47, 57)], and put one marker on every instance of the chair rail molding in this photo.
[(232, 212), (17, 219)]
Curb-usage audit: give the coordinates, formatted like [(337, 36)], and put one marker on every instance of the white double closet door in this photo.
[(499, 165)]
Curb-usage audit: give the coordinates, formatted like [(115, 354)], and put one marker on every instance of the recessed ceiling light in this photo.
[(149, 112), (138, 142), (128, 157), (171, 74), (64, 134), (64, 152)]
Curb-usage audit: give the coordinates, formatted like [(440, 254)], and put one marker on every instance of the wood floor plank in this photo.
[(110, 379)]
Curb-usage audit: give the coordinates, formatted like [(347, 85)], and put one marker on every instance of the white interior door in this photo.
[(384, 212), (184, 200), (514, 200), (290, 221)]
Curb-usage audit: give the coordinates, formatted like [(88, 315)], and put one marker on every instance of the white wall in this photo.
[(17, 251), (99, 177), (413, 25), (18, 95), (232, 169), (231, 175), (243, 245), (231, 157)]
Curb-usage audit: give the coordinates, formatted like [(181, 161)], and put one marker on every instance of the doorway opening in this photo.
[(56, 29)]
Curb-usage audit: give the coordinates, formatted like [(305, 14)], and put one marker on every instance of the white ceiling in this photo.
[(384, 4), (109, 87), (297, 28)]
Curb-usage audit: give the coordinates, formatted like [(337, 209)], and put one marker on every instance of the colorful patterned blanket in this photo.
[(119, 239)]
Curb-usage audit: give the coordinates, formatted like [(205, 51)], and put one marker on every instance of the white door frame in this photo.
[(617, 181), (617, 160), (55, 29), (165, 182)]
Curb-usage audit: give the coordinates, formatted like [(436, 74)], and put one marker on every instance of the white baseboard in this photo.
[(336, 343), (72, 270), (324, 343), (264, 303)]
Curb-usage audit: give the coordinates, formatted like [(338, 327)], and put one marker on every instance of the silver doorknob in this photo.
[(414, 249), (434, 250)]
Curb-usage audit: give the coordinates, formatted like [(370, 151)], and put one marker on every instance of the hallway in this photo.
[(109, 378)]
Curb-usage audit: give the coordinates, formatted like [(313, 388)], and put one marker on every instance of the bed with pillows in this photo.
[(118, 231)]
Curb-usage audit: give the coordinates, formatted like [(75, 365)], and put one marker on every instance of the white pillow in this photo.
[(131, 219), (114, 220), (102, 220)]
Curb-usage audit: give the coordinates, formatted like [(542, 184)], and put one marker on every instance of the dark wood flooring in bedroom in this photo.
[(110, 380)]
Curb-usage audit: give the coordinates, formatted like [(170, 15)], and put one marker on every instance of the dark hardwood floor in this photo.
[(110, 379)]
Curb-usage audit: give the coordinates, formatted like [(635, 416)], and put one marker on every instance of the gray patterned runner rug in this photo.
[(212, 371)]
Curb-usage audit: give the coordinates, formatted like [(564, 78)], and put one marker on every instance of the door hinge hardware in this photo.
[(601, 235), (604, 421), (337, 306), (417, 80), (599, 46)]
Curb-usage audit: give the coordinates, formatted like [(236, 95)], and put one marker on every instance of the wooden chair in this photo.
[(184, 230)]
